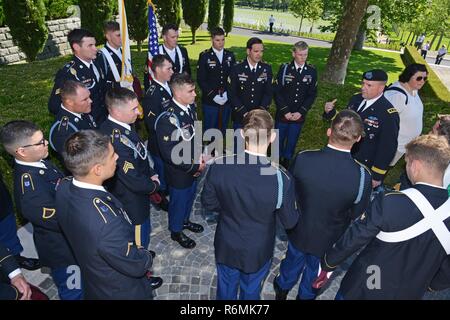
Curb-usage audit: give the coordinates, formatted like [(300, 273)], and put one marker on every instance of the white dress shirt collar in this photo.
[(85, 185), (120, 123), (37, 164)]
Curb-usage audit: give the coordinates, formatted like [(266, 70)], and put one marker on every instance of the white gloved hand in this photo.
[(225, 96), (218, 99)]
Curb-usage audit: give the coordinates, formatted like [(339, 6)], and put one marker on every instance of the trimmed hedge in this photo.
[(434, 86)]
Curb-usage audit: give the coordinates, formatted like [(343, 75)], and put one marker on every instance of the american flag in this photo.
[(152, 36)]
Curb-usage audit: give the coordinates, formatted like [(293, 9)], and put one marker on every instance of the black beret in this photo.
[(375, 75)]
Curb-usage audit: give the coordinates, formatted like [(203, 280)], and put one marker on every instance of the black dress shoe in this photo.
[(28, 263), (280, 294), (183, 240), (155, 282), (194, 227), (152, 253)]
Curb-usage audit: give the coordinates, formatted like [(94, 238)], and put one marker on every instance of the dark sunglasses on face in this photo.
[(43, 142), (421, 78)]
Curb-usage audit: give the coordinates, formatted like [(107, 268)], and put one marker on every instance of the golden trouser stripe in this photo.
[(137, 235), (378, 170)]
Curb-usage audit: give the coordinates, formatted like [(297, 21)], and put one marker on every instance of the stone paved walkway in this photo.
[(190, 274)]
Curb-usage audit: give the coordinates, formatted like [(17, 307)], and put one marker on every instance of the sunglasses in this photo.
[(421, 78), (42, 142)]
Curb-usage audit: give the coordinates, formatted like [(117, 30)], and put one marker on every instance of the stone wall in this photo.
[(56, 42)]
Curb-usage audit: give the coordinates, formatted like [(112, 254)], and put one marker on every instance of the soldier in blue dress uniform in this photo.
[(73, 115), (176, 54), (175, 132), (249, 192), (156, 100), (134, 180), (82, 68), (250, 83), (405, 235), (35, 181), (109, 58), (381, 125), (13, 285), (213, 69), (323, 222), (8, 230), (96, 225), (295, 91)]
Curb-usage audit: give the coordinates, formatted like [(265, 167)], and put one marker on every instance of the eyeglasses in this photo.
[(42, 142), (421, 78)]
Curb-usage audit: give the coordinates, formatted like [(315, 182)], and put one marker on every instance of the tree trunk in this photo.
[(440, 40), (432, 41), (311, 29), (301, 22), (413, 39), (139, 45), (401, 36), (360, 38), (409, 36), (193, 34), (336, 68)]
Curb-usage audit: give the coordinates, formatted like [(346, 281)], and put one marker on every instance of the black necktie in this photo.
[(361, 108), (91, 67), (299, 70)]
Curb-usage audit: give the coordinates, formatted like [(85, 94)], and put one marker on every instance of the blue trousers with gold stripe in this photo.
[(142, 233), (211, 117), (288, 137), (230, 279), (180, 206), (297, 263)]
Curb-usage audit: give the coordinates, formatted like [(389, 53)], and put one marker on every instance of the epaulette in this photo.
[(64, 123), (308, 150), (393, 193), (151, 89), (311, 65), (392, 110), (69, 65), (364, 166), (26, 182), (103, 209), (115, 134), (282, 169)]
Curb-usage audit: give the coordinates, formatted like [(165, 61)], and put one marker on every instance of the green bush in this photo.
[(94, 14), (228, 14), (214, 13), (168, 11), (434, 86), (2, 15), (25, 19), (57, 9)]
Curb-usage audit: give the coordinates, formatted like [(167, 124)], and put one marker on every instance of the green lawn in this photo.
[(283, 20), (25, 88)]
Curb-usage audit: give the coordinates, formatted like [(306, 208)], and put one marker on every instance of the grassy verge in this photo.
[(25, 88)]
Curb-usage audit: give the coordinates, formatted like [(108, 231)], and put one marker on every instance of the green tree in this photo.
[(57, 9), (336, 68), (214, 14), (228, 14), (306, 9), (25, 19), (168, 11), (94, 14), (194, 12), (2, 14), (137, 19)]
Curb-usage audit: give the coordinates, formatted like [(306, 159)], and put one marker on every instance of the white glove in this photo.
[(219, 100), (225, 96)]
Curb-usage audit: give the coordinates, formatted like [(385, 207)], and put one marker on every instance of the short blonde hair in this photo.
[(257, 124), (432, 150)]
